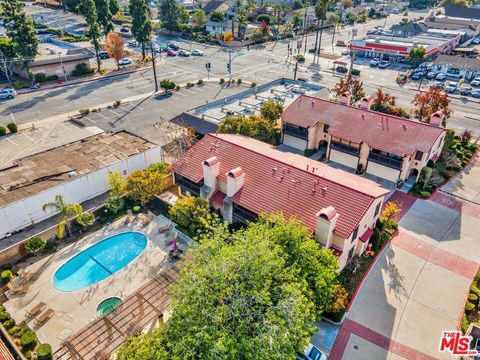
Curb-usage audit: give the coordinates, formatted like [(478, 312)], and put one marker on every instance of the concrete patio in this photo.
[(74, 310)]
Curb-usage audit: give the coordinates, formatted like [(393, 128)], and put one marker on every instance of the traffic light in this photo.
[(228, 66), (208, 66)]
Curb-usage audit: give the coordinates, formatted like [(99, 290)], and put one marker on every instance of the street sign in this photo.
[(241, 53)]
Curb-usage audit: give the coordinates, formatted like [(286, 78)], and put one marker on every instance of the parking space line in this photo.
[(86, 117), (14, 143), (113, 112), (180, 93), (127, 110), (136, 106), (28, 137), (103, 116)]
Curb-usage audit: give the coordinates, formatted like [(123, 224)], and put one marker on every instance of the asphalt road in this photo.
[(260, 64)]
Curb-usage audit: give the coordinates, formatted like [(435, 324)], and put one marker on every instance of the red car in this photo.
[(171, 53)]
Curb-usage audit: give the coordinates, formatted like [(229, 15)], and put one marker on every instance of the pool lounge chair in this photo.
[(44, 317), (165, 228), (17, 289), (35, 310), (25, 276), (144, 220)]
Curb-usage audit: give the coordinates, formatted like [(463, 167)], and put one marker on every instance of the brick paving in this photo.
[(404, 201), (455, 203)]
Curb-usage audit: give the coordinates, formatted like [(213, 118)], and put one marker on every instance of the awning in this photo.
[(366, 235), (218, 198), (338, 62), (435, 158)]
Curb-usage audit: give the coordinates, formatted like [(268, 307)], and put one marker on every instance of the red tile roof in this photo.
[(218, 197), (278, 181), (384, 132)]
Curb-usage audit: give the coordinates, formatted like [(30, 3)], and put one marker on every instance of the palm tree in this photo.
[(242, 22), (65, 210), (320, 13), (333, 19)]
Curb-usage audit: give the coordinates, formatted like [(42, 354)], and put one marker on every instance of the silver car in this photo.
[(7, 93)]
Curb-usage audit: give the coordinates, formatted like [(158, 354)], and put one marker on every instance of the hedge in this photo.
[(475, 290), (3, 131), (9, 324), (4, 316), (6, 276), (28, 340), (44, 352), (12, 127), (473, 298), (469, 306)]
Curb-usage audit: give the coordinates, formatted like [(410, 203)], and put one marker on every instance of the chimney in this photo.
[(211, 169), (437, 118), (235, 180), (345, 98), (326, 222), (365, 103)]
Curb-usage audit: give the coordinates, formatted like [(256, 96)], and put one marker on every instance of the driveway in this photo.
[(417, 287)]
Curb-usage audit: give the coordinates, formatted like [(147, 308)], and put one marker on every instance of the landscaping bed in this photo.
[(471, 312), (456, 154)]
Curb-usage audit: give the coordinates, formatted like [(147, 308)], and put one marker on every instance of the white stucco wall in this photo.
[(28, 211)]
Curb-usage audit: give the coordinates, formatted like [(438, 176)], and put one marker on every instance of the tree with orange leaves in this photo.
[(114, 45), (431, 101)]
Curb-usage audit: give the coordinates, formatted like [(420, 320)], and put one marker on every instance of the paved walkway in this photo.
[(417, 287)]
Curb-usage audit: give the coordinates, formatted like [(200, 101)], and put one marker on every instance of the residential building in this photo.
[(386, 146), (77, 170), (215, 27), (215, 5), (242, 177), (468, 13), (408, 29), (457, 66)]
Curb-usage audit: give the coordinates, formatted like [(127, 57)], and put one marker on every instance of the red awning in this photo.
[(218, 198), (366, 235), (435, 158), (338, 62)]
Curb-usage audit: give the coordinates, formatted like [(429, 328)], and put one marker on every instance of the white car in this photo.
[(476, 81), (440, 76), (7, 93), (156, 48), (313, 353), (375, 62), (452, 87), (196, 52), (125, 61), (384, 64), (431, 75)]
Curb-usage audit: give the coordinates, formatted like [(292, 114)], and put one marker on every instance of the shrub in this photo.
[(35, 245), (469, 306), (136, 209), (13, 331), (6, 276), (28, 340), (12, 127), (52, 77), (117, 103), (300, 58), (253, 85), (189, 84), (200, 82), (2, 308), (177, 88), (222, 81), (84, 111), (342, 69), (82, 69), (311, 51), (9, 324), (44, 352), (28, 354), (473, 289), (355, 72), (115, 204), (239, 81), (424, 194), (40, 77), (3, 131), (473, 298), (4, 316)]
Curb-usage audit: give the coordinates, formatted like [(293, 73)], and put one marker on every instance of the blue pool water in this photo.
[(99, 261)]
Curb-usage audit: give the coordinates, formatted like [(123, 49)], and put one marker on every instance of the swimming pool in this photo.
[(99, 261)]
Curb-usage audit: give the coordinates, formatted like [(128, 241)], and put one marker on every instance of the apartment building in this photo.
[(386, 146), (242, 177)]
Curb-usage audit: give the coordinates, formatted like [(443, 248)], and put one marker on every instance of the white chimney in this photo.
[(345, 98), (235, 179), (437, 118), (211, 169), (365, 103), (326, 222)]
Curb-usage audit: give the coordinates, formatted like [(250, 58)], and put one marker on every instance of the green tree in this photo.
[(115, 204), (65, 211), (85, 219), (20, 30), (218, 16), (167, 85), (238, 299), (199, 19), (114, 6), (143, 185), (462, 3), (104, 15), (254, 126), (89, 11), (264, 17), (352, 85), (35, 245), (297, 5), (116, 183), (190, 212), (168, 11), (7, 56), (417, 55), (141, 22), (271, 110)]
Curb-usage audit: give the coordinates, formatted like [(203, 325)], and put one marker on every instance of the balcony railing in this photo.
[(344, 148), (301, 133), (385, 160)]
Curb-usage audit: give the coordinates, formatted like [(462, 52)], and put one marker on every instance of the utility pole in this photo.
[(305, 33), (229, 65), (154, 68), (352, 55), (295, 71), (63, 67)]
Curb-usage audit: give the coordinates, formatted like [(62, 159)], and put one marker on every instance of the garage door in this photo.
[(295, 142), (383, 171), (343, 158)]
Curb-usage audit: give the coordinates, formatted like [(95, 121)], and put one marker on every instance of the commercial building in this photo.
[(242, 177), (78, 171), (386, 146), (457, 66)]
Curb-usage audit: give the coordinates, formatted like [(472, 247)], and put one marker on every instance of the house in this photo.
[(242, 177), (462, 12), (77, 170), (409, 29), (215, 5), (215, 27), (457, 66), (386, 146)]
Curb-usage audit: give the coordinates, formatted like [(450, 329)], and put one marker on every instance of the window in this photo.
[(188, 185), (345, 146), (243, 215), (355, 233), (385, 158), (295, 130), (377, 209), (325, 128), (418, 155)]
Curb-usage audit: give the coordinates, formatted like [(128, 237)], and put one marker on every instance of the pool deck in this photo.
[(74, 310)]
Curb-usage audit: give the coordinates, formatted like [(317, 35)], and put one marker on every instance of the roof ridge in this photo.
[(293, 166)]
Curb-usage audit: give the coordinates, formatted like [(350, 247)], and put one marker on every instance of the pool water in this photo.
[(99, 261), (107, 305)]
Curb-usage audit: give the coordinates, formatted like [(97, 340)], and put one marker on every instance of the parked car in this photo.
[(417, 76), (440, 76), (103, 55), (171, 53), (196, 52), (156, 48), (163, 48), (452, 87), (173, 46), (375, 62), (467, 90), (341, 43), (124, 29), (438, 84), (476, 81), (384, 64), (133, 43), (125, 61), (476, 41), (431, 75), (476, 93), (184, 53), (7, 93)]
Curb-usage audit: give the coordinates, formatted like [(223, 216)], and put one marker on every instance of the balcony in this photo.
[(296, 131), (385, 160), (344, 148)]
